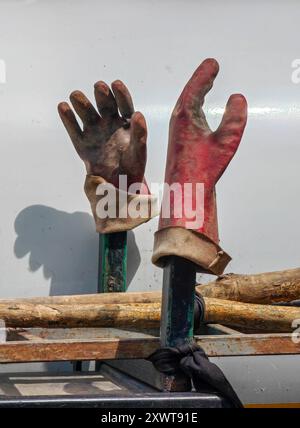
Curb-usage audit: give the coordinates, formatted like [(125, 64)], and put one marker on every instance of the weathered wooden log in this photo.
[(86, 299), (147, 315), (249, 316), (264, 288), (139, 316)]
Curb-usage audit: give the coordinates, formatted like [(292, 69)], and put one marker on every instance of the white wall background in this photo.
[(49, 48)]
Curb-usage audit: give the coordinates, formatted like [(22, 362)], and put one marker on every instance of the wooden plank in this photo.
[(105, 349)]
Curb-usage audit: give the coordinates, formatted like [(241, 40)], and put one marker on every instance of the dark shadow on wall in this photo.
[(66, 247)]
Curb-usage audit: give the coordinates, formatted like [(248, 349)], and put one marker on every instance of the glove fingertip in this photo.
[(139, 127)]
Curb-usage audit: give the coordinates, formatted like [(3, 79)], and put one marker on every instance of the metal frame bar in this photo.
[(137, 401), (38, 345)]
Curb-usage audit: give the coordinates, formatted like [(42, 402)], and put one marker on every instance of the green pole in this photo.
[(112, 262), (177, 312)]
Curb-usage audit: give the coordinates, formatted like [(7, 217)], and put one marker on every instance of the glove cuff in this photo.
[(193, 246), (146, 206), (209, 225)]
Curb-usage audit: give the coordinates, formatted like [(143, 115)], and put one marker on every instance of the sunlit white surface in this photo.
[(53, 47), (163, 111)]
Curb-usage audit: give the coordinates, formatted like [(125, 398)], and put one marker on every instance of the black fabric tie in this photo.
[(192, 360)]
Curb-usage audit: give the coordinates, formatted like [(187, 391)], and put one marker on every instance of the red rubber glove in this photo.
[(198, 155)]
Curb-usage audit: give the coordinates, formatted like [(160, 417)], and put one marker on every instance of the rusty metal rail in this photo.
[(39, 345)]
